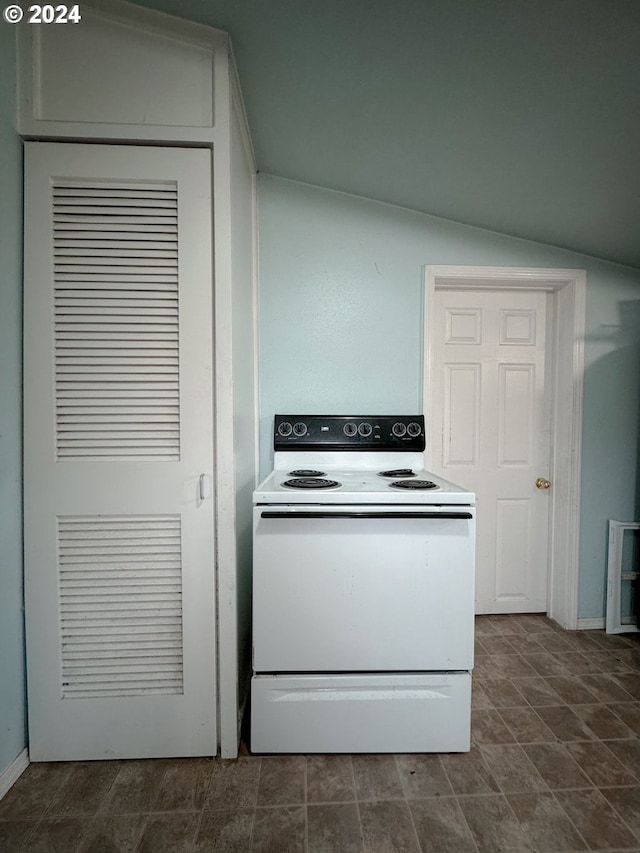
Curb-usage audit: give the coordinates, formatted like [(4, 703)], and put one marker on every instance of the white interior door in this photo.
[(119, 538), (490, 432)]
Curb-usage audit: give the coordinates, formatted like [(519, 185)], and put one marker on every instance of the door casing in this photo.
[(568, 291)]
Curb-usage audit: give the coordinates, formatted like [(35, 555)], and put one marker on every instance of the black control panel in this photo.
[(349, 432)]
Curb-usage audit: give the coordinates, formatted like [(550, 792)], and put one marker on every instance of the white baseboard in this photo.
[(12, 773), (591, 624)]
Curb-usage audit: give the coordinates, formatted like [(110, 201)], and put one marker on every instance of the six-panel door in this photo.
[(490, 430)]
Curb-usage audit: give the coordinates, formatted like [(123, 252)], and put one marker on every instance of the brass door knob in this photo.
[(543, 483)]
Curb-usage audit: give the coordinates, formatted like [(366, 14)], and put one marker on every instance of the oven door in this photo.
[(363, 588)]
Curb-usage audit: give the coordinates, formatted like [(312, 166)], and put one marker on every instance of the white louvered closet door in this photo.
[(119, 538)]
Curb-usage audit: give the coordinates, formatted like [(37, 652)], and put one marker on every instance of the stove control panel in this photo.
[(349, 432)]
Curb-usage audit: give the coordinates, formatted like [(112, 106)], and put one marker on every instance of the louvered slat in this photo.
[(116, 318), (120, 584)]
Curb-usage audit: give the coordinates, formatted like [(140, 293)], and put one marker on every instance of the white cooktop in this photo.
[(360, 482)]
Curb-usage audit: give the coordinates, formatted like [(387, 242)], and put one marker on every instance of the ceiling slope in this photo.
[(519, 116)]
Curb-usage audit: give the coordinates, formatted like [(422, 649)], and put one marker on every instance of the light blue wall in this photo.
[(341, 331), (12, 675)]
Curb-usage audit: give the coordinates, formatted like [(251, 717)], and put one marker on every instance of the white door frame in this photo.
[(568, 290)]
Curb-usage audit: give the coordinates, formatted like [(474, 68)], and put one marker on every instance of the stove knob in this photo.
[(285, 429), (398, 429), (299, 429), (350, 429), (365, 430), (414, 429)]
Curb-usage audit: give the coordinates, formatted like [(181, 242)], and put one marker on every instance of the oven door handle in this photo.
[(272, 513)]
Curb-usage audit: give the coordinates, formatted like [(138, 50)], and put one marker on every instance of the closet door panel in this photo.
[(118, 411)]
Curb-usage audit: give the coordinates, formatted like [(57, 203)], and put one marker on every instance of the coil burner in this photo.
[(415, 485), (310, 483)]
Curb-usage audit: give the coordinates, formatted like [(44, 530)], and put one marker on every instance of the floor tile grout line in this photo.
[(609, 787), (306, 805), (200, 817), (613, 755), (205, 795), (141, 836), (564, 811), (400, 777), (616, 680), (515, 687), (396, 800), (548, 790), (469, 796), (572, 708), (27, 838), (567, 646), (579, 766), (253, 821), (529, 761), (452, 795), (448, 777), (615, 713), (532, 708), (87, 832), (633, 832), (355, 791), (253, 826), (105, 798), (413, 825), (513, 812), (575, 705), (442, 766), (468, 825), (58, 791)]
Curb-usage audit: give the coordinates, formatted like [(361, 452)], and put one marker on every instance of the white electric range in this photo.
[(363, 592)]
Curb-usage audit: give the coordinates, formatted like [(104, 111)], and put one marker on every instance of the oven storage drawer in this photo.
[(417, 712), (363, 589)]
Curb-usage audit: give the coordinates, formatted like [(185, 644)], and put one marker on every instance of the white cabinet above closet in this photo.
[(128, 74)]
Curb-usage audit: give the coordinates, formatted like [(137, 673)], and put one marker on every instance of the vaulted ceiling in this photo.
[(519, 116)]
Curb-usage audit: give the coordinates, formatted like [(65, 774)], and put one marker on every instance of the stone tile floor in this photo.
[(555, 766)]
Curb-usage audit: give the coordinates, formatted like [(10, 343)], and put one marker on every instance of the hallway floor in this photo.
[(555, 766)]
